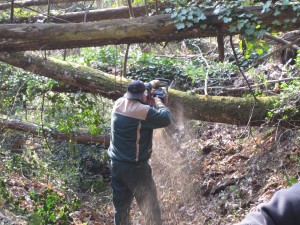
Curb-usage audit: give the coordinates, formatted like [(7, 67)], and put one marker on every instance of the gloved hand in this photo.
[(155, 83)]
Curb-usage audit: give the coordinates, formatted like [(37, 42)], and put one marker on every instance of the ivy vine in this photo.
[(187, 14)]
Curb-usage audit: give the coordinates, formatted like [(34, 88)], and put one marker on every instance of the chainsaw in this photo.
[(160, 92)]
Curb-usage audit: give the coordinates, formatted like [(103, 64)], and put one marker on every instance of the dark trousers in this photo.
[(134, 180)]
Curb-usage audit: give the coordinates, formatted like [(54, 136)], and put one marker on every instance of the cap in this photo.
[(135, 90)]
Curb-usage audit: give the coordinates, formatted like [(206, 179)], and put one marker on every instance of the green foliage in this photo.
[(70, 112), (18, 88), (148, 67), (187, 14), (5, 196), (20, 13), (297, 60), (48, 206), (51, 208), (4, 16), (188, 73), (288, 103), (254, 46), (61, 112), (291, 181), (99, 57)]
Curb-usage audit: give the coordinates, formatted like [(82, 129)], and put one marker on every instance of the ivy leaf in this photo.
[(241, 24), (184, 11), (276, 22), (174, 14), (217, 10), (168, 10), (201, 17), (277, 12), (259, 51), (285, 2), (203, 26), (266, 7), (294, 20), (261, 32), (232, 29), (249, 30), (295, 7), (227, 19), (180, 26), (189, 24), (250, 15), (182, 18)]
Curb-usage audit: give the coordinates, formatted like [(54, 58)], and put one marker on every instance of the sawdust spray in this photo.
[(170, 170)]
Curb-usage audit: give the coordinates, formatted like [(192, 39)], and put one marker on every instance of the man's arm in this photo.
[(159, 116), (283, 209)]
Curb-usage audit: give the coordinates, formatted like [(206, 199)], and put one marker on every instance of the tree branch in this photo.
[(281, 41), (38, 130)]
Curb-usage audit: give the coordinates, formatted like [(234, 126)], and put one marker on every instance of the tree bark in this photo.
[(28, 3), (221, 109), (37, 130), (21, 37), (90, 16)]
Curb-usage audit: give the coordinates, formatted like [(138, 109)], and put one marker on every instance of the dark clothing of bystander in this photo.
[(283, 209)]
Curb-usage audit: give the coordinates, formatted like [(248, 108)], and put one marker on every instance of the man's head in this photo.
[(135, 90)]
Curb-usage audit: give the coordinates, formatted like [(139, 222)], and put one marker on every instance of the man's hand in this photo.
[(155, 83), (158, 103)]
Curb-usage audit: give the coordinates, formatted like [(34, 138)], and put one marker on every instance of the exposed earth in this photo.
[(205, 174)]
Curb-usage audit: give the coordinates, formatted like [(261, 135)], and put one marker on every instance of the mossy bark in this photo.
[(222, 109)]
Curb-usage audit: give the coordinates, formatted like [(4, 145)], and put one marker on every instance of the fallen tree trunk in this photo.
[(37, 130), (221, 109), (21, 37), (89, 16), (35, 3)]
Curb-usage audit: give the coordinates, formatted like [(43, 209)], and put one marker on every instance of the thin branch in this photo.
[(238, 65), (220, 40), (281, 40), (206, 74), (131, 13), (261, 59), (12, 11), (125, 61), (146, 7)]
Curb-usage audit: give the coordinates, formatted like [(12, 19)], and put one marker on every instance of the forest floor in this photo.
[(205, 174)]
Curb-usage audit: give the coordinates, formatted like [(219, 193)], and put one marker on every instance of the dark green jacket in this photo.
[(132, 124)]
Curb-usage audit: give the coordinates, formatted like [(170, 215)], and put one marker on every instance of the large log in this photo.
[(231, 110), (21, 37), (88, 16), (20, 4), (121, 12)]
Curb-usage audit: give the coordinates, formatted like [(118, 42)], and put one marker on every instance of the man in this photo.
[(132, 124), (283, 209)]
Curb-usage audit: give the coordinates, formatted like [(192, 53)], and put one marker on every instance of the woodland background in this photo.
[(234, 96)]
